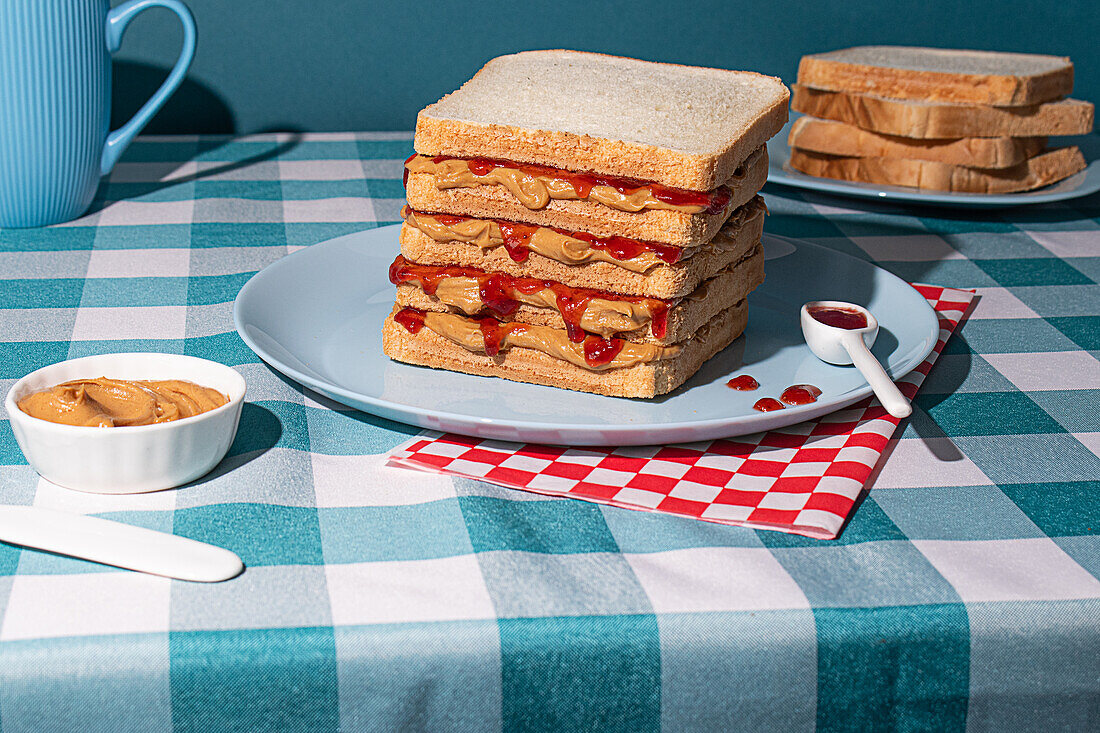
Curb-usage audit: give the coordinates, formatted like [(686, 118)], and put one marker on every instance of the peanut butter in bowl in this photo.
[(105, 402)]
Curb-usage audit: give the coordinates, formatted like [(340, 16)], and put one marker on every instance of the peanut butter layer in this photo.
[(677, 228), (535, 190), (104, 403), (740, 235), (468, 333), (545, 241), (527, 365), (601, 316), (631, 321)]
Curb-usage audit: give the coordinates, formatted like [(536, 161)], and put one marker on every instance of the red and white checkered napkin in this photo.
[(802, 479)]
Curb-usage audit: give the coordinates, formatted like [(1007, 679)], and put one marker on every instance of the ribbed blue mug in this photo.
[(55, 102)]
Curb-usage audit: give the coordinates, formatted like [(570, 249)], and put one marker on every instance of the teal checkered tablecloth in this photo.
[(963, 594)]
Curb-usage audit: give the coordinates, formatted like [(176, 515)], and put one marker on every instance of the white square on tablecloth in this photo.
[(1031, 569), (919, 462), (1056, 370), (51, 496), (323, 170), (132, 322), (406, 591), (715, 579), (343, 209), (350, 481), (86, 604), (139, 263), (1080, 243), (999, 303)]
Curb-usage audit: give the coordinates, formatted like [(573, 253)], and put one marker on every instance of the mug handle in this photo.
[(117, 20)]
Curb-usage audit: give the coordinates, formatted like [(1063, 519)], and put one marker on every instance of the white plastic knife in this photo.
[(114, 543)]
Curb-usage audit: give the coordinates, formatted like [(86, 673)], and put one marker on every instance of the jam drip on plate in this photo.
[(767, 404), (800, 394), (713, 201), (498, 294), (743, 383)]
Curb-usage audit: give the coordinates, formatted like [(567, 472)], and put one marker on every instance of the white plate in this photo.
[(316, 316), (1080, 184)]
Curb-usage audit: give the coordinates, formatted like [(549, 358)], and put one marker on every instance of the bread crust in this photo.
[(836, 138), (427, 348), (935, 86), (915, 119), (1036, 172), (654, 225), (685, 317), (693, 171), (663, 281)]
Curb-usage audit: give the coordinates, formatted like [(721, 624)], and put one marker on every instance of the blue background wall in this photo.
[(363, 65)]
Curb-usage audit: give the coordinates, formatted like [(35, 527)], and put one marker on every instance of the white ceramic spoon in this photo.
[(114, 543), (850, 344)]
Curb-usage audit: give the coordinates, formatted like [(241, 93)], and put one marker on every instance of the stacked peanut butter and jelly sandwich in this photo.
[(584, 221)]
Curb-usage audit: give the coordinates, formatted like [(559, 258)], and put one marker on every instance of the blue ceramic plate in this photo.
[(316, 316), (1080, 184)]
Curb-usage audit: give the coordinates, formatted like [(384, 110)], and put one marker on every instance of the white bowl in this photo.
[(135, 459)]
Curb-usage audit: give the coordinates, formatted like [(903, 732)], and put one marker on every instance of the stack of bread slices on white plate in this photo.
[(946, 120), (584, 221)]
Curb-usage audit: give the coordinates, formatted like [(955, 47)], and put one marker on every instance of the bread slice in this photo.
[(654, 225), (681, 126), (685, 316), (913, 118), (837, 138), (649, 379), (737, 239), (1036, 172), (940, 75)]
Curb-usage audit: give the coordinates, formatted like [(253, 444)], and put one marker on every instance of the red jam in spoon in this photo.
[(846, 318)]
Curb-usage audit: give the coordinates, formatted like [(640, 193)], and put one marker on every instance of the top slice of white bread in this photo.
[(681, 126), (940, 75)]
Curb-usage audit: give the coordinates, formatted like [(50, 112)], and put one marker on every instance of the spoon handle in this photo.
[(885, 389), (114, 543)]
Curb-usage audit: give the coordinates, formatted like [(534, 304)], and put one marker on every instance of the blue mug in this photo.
[(55, 102)]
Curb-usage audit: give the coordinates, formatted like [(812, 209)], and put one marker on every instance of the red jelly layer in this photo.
[(411, 318), (713, 201), (767, 404), (743, 383), (498, 292), (846, 318), (800, 394), (598, 351), (517, 240)]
